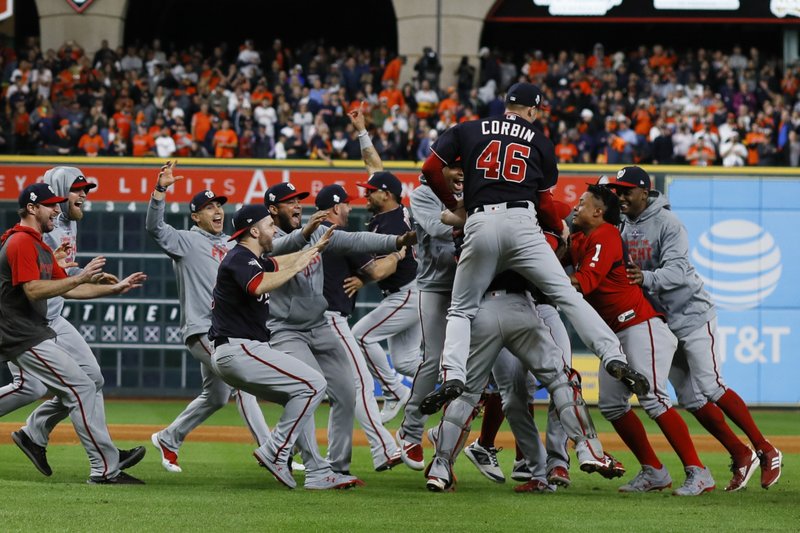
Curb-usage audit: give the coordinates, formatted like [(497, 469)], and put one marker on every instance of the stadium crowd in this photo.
[(644, 105)]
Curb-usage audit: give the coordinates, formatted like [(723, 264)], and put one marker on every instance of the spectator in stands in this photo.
[(732, 152), (701, 153), (428, 68), (91, 143), (225, 141), (143, 143)]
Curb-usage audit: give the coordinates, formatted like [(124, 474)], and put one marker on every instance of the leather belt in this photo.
[(219, 341), (509, 205)]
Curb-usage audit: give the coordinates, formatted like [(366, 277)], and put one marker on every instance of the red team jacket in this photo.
[(599, 263)]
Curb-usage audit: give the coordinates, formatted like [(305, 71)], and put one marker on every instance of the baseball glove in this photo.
[(632, 379)]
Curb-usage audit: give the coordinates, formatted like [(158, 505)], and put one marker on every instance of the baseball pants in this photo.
[(650, 346), (52, 365), (696, 371), (24, 389), (510, 320), (395, 320), (433, 321), (381, 443), (271, 375), (499, 239), (45, 417), (213, 397), (323, 351)]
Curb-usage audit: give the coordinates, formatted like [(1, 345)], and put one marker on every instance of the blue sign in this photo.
[(741, 241)]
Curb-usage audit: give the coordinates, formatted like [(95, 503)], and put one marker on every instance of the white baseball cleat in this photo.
[(391, 408), (485, 460), (698, 481), (280, 471), (169, 459)]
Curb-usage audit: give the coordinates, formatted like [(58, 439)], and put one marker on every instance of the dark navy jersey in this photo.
[(510, 281), (235, 310), (505, 159), (337, 268), (395, 222)]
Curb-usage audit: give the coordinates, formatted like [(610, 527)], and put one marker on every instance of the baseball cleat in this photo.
[(122, 478), (411, 453), (433, 437), (742, 470), (433, 402), (37, 454), (698, 481), (169, 459), (771, 462), (279, 471), (621, 371), (612, 468), (391, 408), (437, 484), (534, 485), (130, 458), (559, 476), (649, 479), (332, 481), (390, 463), (520, 471), (485, 460)]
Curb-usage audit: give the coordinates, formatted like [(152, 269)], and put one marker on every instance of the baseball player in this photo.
[(395, 319), (243, 354), (508, 319), (341, 283), (435, 273), (507, 162), (29, 276), (597, 254), (70, 183), (297, 320), (659, 251), (196, 255)]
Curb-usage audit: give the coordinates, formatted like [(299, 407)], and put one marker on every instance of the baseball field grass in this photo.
[(223, 489)]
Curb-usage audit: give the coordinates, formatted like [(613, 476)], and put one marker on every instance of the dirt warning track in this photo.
[(64, 434)]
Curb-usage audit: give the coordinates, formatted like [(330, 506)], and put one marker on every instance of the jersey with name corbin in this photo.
[(505, 159)]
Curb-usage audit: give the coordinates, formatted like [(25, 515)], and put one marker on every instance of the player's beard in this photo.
[(285, 222)]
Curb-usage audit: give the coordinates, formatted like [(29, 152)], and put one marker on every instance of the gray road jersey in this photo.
[(300, 303), (435, 249), (196, 255), (64, 231), (658, 243)]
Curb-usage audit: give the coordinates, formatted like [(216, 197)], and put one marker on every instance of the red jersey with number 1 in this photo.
[(599, 264), (505, 159)]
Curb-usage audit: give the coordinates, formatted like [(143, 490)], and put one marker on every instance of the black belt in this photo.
[(509, 205), (387, 292), (219, 341)]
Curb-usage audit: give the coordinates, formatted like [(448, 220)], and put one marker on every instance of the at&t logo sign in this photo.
[(739, 262)]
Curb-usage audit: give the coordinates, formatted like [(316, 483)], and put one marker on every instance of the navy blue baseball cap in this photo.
[(81, 183), (331, 195), (383, 181), (630, 177), (281, 192), (525, 94), (246, 217), (39, 193), (204, 198)]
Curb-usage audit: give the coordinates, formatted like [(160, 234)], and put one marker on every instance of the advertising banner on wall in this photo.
[(241, 183), (742, 235)]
